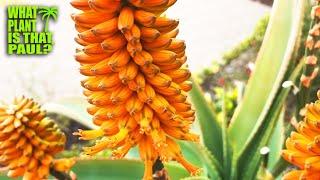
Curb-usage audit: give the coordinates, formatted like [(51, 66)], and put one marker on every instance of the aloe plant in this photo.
[(228, 150)]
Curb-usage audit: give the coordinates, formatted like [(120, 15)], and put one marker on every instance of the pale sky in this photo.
[(209, 27)]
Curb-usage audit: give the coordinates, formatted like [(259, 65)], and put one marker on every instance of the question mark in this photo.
[(47, 48)]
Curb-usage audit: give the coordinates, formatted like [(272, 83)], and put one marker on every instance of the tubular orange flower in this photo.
[(303, 146), (136, 79), (29, 140)]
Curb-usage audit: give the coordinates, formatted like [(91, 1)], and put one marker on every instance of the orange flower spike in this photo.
[(136, 80)]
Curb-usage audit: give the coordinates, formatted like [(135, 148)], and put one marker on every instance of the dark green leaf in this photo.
[(210, 127)]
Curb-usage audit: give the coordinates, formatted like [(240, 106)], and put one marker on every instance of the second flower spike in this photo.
[(29, 141)]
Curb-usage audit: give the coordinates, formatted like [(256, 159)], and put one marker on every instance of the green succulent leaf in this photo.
[(276, 142), (281, 165), (249, 161), (272, 63), (227, 148), (211, 131)]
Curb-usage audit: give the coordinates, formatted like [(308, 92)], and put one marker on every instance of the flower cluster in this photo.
[(137, 80), (29, 140)]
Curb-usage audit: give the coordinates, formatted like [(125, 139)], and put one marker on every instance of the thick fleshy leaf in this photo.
[(278, 47), (281, 165), (73, 108), (249, 161), (276, 142), (120, 170), (210, 127), (227, 148)]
